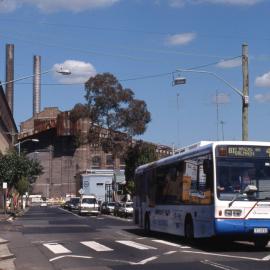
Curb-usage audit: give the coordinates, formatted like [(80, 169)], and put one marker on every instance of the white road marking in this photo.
[(169, 252), (135, 245), (267, 258), (96, 246), (166, 243), (74, 214), (56, 248), (145, 261), (72, 256), (218, 265), (221, 255)]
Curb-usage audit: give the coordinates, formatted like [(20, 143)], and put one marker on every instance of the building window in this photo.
[(109, 161), (96, 162), (122, 163)]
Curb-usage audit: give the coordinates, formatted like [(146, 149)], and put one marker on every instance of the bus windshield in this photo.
[(235, 174)]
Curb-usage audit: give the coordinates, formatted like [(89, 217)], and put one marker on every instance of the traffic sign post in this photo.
[(5, 196)]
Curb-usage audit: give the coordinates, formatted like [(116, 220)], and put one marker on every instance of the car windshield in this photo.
[(89, 200), (129, 204), (111, 204), (74, 200), (235, 174)]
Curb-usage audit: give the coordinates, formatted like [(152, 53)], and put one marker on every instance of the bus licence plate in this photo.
[(260, 230)]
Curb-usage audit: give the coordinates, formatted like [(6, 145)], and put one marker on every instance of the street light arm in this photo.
[(26, 77), (215, 75), (61, 71)]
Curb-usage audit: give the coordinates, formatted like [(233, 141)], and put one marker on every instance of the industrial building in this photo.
[(63, 160)]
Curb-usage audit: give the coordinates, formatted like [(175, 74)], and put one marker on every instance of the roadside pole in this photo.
[(245, 92), (5, 196)]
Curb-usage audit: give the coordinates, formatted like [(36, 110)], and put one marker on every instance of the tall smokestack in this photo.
[(36, 84), (10, 75)]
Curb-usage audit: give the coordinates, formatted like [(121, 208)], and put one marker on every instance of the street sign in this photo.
[(4, 185), (81, 191)]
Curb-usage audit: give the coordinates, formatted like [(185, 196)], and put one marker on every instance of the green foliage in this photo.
[(114, 112), (22, 185), (14, 167), (139, 154)]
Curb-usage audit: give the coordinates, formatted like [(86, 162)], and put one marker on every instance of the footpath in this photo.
[(6, 257)]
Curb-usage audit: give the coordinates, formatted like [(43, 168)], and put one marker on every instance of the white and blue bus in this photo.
[(208, 189)]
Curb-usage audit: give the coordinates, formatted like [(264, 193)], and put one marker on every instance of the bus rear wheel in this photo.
[(189, 229), (147, 228)]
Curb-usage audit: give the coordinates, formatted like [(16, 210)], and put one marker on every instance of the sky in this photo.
[(143, 43)]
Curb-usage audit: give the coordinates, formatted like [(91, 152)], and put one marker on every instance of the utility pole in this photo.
[(245, 92)]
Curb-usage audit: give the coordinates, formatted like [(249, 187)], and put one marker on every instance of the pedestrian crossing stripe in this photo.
[(96, 246), (57, 248), (135, 245), (168, 243)]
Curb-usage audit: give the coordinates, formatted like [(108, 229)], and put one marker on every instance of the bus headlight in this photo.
[(228, 213), (237, 213), (233, 213)]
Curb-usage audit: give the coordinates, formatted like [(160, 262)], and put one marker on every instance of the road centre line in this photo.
[(135, 245), (221, 255), (96, 246), (71, 256), (217, 265), (56, 248)]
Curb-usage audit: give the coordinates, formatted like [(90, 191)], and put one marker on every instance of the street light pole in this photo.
[(245, 92)]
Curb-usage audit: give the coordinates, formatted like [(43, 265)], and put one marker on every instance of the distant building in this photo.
[(106, 185), (8, 129), (60, 155)]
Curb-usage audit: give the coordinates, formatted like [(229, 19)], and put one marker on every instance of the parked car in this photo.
[(44, 203), (107, 207), (88, 205), (126, 210), (73, 204)]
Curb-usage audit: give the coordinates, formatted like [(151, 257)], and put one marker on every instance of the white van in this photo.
[(88, 205)]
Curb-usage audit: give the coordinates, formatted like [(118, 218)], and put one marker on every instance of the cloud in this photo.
[(8, 5), (177, 3), (56, 5), (230, 63), (181, 3), (80, 71), (263, 98), (180, 39), (221, 98), (263, 81)]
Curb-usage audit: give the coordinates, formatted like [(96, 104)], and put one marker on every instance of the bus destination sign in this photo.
[(243, 151)]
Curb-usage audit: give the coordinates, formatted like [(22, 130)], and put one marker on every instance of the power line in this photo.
[(159, 51), (158, 75), (121, 29)]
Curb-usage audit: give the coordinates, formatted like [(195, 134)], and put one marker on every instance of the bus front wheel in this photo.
[(261, 243), (189, 229)]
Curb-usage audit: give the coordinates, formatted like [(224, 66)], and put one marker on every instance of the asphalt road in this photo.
[(53, 238)]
